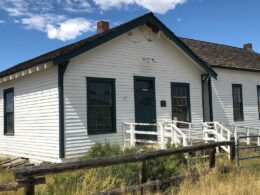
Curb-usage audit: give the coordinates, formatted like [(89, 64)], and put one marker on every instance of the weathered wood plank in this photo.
[(102, 162)]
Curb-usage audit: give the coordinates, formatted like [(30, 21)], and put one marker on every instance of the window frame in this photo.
[(112, 81), (189, 104), (242, 102), (5, 118), (258, 99)]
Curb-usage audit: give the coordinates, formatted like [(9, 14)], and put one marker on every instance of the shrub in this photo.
[(116, 176)]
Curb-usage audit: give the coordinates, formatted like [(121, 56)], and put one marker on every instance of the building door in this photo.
[(145, 105)]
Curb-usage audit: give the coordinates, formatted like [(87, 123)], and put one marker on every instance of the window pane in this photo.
[(100, 105), (9, 111), (237, 102), (180, 102)]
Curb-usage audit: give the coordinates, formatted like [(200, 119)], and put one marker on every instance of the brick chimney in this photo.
[(102, 26), (248, 46)]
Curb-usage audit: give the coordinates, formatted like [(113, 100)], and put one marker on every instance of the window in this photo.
[(258, 99), (181, 101), (101, 105), (9, 111), (237, 102)]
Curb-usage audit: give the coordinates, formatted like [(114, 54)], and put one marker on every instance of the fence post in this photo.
[(29, 186), (212, 158), (142, 174), (232, 150), (237, 148)]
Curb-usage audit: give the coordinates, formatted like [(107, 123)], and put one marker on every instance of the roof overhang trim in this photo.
[(25, 72)]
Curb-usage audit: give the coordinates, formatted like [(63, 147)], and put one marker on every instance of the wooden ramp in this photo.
[(15, 163)]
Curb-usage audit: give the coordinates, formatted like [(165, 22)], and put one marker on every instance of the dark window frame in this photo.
[(189, 104), (258, 99), (113, 85), (7, 132), (242, 103)]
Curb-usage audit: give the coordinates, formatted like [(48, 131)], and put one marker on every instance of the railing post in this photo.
[(162, 136), (132, 135), (247, 134), (29, 186), (232, 150), (184, 140), (172, 136), (124, 136), (205, 135), (258, 139), (190, 127), (235, 132), (212, 158)]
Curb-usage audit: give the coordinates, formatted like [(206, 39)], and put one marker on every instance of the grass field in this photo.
[(226, 178)]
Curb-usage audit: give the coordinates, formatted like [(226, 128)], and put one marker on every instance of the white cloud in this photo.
[(39, 22), (158, 6), (2, 21), (107, 4), (179, 20), (69, 29), (58, 26), (76, 5), (42, 16)]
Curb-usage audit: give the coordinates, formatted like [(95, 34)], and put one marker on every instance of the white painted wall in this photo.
[(36, 117), (222, 96), (122, 59)]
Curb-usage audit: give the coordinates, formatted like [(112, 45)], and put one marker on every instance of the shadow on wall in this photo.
[(220, 109)]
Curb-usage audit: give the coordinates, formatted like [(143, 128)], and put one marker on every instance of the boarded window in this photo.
[(9, 111), (237, 102), (181, 102), (101, 105)]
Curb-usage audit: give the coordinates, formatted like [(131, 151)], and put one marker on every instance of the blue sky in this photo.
[(29, 28)]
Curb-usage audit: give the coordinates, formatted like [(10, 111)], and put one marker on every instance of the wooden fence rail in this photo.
[(31, 174)]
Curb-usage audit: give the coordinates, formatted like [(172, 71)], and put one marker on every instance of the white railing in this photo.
[(214, 131), (176, 135), (166, 130), (184, 133), (240, 130), (130, 129)]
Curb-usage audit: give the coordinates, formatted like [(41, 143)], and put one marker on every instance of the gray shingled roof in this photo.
[(218, 55)]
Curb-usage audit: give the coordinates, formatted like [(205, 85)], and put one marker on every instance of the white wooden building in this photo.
[(56, 106)]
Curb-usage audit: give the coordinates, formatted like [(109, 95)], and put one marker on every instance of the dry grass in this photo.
[(226, 179), (234, 183)]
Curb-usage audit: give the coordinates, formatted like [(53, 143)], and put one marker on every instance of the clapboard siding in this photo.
[(222, 96), (36, 117), (122, 59)]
